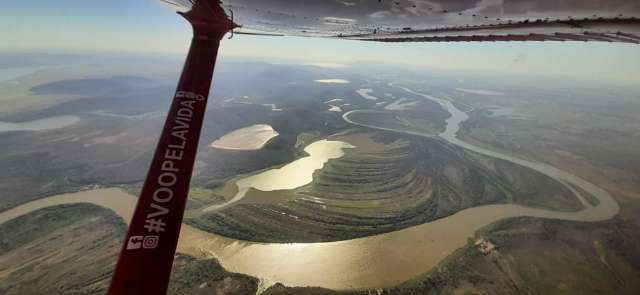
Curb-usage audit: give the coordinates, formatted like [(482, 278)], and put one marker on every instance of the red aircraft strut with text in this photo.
[(145, 262)]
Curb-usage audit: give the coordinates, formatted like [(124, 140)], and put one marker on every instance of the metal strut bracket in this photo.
[(145, 262)]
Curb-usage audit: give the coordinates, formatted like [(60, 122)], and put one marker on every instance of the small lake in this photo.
[(253, 137), (290, 176)]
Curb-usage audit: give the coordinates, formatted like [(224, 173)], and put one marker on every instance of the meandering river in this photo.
[(371, 262)]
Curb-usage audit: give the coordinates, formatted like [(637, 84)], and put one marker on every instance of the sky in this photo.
[(145, 26)]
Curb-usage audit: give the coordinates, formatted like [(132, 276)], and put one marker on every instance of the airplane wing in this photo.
[(438, 20)]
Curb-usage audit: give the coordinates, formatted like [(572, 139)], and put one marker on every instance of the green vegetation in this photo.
[(418, 123), (409, 181), (199, 197), (191, 276), (279, 289), (591, 199), (588, 129), (537, 256), (57, 250)]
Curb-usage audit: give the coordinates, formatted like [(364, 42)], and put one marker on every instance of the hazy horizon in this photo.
[(144, 27)]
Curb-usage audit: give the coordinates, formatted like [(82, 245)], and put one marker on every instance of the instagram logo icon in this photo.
[(150, 242)]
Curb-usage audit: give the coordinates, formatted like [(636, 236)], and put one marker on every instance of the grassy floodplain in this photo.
[(393, 182)]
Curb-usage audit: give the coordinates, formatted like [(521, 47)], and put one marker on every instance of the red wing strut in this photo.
[(145, 262)]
